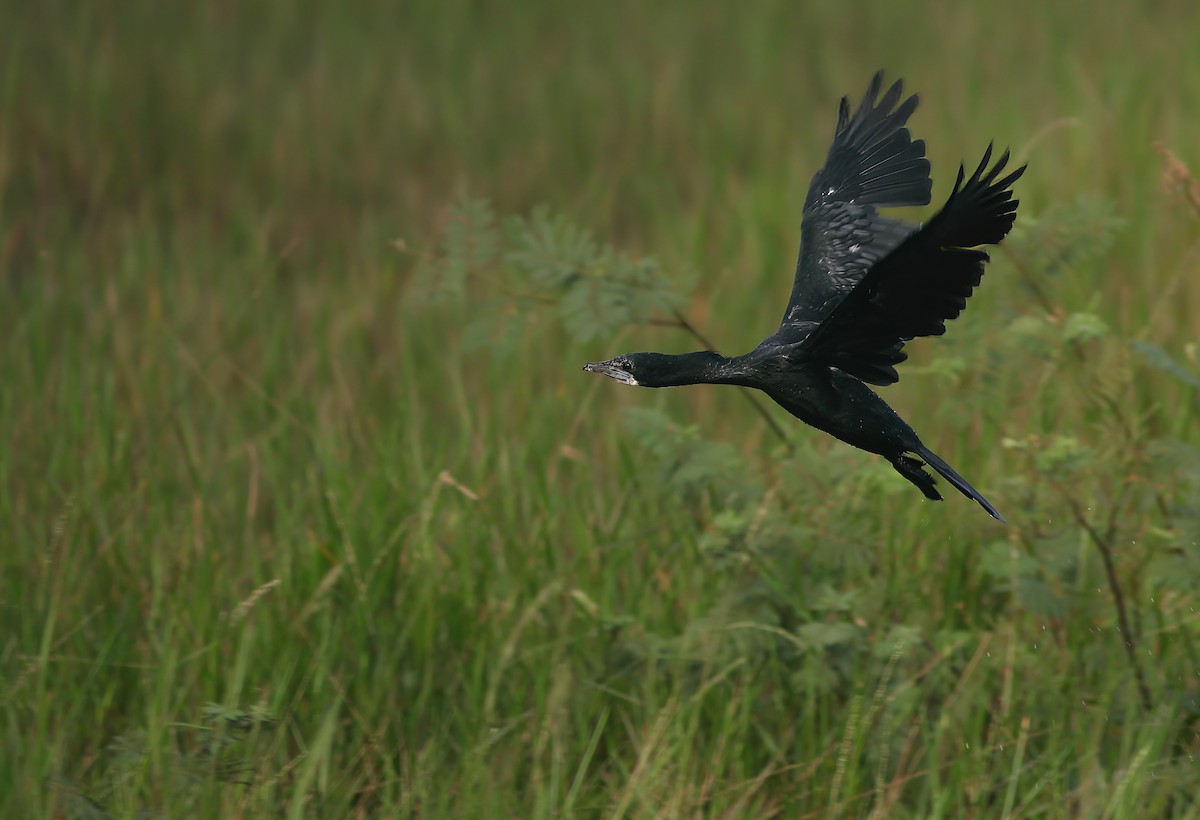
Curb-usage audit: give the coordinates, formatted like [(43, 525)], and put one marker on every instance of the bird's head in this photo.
[(658, 369)]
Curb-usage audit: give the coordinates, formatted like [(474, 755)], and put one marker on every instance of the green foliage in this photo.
[(1084, 327), (535, 260), (551, 252), (1068, 236), (599, 289), (1063, 455), (1031, 334), (1031, 582), (226, 747), (1160, 359), (252, 454), (469, 246), (688, 463)]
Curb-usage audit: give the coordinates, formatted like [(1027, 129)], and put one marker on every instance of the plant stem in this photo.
[(1110, 569)]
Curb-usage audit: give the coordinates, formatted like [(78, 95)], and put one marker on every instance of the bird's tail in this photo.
[(947, 472)]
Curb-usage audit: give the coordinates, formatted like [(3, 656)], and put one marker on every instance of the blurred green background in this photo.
[(280, 537)]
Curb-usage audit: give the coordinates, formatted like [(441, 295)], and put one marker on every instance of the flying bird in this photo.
[(865, 284)]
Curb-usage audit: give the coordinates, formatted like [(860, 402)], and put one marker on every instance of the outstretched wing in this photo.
[(922, 284), (873, 163)]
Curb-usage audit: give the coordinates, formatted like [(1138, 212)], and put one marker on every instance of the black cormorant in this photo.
[(865, 284)]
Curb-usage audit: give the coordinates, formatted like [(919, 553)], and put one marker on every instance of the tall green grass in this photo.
[(247, 464)]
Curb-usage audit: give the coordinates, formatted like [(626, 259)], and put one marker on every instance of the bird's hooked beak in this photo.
[(610, 370)]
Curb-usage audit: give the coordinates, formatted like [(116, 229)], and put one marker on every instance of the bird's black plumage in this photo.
[(865, 285)]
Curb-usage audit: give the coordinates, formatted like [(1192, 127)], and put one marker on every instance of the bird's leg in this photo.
[(912, 469)]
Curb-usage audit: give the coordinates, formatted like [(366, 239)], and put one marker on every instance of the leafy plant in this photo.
[(222, 748), (536, 261), (1067, 236)]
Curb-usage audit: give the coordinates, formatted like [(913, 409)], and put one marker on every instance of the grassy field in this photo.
[(287, 531)]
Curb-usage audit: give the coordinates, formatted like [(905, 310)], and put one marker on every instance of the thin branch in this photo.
[(1105, 548), (1027, 279)]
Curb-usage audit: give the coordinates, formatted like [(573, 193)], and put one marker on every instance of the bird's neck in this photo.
[(701, 367)]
